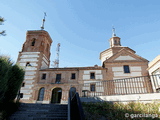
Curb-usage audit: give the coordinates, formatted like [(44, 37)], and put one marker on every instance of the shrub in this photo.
[(5, 67), (118, 111), (7, 109), (14, 82), (11, 78)]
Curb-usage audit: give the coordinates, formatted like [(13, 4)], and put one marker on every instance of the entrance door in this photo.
[(56, 95)]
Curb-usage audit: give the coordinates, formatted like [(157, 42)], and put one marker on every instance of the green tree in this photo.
[(5, 67), (1, 23), (11, 78), (14, 83)]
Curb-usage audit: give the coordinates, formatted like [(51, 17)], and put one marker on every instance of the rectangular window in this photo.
[(58, 78), (126, 69), (92, 75), (43, 76), (73, 76), (93, 87)]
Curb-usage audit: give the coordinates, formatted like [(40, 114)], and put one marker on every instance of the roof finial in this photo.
[(113, 32), (42, 27)]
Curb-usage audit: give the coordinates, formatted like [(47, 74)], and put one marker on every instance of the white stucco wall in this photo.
[(44, 65), (154, 67), (151, 97), (98, 74), (118, 72), (25, 96), (125, 58), (29, 56), (30, 72), (105, 55)]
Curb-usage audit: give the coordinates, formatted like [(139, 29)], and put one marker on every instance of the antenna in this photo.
[(56, 62), (42, 27)]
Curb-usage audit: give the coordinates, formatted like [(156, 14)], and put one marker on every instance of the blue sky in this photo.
[(83, 27)]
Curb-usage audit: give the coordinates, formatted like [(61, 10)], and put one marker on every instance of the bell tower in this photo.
[(115, 46), (38, 41), (114, 41), (35, 55)]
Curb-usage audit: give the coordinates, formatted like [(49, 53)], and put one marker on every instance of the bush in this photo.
[(7, 109), (14, 82), (5, 67), (119, 111), (11, 78)]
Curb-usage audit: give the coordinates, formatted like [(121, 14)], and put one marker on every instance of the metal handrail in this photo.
[(75, 110)]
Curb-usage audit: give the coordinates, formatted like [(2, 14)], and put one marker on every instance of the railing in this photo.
[(135, 85), (75, 110)]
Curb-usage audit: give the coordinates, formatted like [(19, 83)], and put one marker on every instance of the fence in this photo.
[(135, 85)]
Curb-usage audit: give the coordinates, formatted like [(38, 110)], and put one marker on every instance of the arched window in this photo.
[(33, 42), (41, 94)]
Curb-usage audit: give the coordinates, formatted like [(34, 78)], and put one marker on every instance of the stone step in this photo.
[(51, 109), (37, 113), (39, 108), (43, 106), (40, 112), (42, 115), (38, 118), (38, 104)]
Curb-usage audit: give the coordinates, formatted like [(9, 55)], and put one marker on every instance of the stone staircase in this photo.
[(40, 112)]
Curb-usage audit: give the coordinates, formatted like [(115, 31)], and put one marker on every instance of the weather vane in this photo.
[(42, 27), (113, 32)]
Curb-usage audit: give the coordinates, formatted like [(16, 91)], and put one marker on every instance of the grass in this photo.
[(6, 109), (120, 111)]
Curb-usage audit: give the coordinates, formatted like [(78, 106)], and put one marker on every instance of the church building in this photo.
[(43, 84)]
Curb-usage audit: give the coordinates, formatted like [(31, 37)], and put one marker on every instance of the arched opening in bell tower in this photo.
[(33, 42)]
